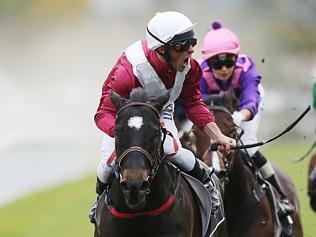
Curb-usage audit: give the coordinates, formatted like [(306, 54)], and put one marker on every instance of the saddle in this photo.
[(211, 216)]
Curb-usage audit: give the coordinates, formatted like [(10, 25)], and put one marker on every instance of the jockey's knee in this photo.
[(105, 167), (104, 171), (184, 159)]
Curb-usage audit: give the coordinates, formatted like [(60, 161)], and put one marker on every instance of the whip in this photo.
[(214, 146)]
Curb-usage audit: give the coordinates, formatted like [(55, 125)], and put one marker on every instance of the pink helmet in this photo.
[(219, 40)]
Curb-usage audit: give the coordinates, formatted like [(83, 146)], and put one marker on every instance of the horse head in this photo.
[(222, 105), (137, 143)]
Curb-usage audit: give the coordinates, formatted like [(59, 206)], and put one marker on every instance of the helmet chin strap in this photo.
[(166, 54)]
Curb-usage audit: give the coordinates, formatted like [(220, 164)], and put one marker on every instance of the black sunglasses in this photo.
[(183, 46), (218, 64)]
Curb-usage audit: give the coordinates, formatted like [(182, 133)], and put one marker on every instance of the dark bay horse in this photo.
[(248, 207), (148, 197), (312, 182)]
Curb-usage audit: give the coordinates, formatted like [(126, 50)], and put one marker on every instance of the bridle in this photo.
[(228, 162), (154, 159)]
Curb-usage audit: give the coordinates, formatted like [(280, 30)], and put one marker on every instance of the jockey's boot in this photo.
[(285, 206), (268, 173), (203, 173), (100, 187)]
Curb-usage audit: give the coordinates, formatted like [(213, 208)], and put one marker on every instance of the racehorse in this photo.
[(312, 182), (248, 204), (148, 196)]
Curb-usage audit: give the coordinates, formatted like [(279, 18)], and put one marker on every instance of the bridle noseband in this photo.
[(138, 149)]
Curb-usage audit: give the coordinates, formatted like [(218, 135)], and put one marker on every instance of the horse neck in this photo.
[(162, 185), (241, 181)]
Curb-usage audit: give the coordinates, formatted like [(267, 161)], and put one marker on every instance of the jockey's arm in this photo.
[(225, 143)]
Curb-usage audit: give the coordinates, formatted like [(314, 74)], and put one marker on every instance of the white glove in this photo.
[(238, 117)]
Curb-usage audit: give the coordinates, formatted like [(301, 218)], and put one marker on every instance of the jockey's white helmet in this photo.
[(162, 28)]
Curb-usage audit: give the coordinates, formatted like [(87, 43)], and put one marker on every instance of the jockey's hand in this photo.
[(225, 144), (238, 117)]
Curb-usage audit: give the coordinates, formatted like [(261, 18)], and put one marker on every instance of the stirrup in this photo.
[(92, 212), (286, 208)]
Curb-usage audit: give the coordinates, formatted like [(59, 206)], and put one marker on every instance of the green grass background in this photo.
[(62, 211)]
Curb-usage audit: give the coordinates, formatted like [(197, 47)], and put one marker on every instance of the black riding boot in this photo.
[(285, 207), (100, 187), (200, 173), (203, 173)]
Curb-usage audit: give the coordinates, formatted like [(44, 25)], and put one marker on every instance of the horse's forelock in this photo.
[(139, 95)]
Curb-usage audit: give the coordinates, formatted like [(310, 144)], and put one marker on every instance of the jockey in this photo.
[(224, 68), (163, 61)]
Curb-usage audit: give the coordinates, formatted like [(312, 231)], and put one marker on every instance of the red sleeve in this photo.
[(122, 81), (190, 98)]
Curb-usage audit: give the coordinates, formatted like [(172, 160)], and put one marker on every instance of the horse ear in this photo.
[(160, 101), (117, 100)]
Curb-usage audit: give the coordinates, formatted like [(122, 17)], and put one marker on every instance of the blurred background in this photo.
[(55, 55)]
